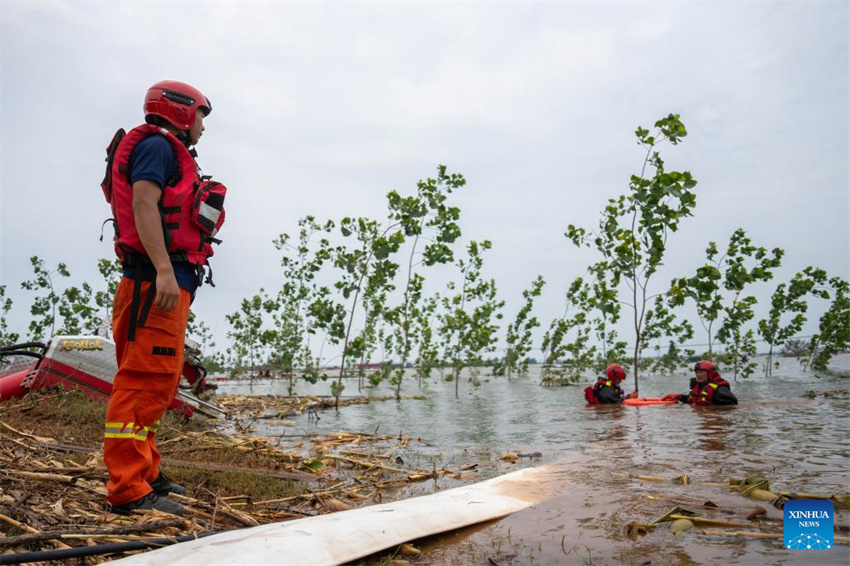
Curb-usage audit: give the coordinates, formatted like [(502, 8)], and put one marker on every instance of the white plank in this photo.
[(341, 537)]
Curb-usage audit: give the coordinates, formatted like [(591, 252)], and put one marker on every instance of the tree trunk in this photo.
[(769, 368), (637, 361), (710, 343)]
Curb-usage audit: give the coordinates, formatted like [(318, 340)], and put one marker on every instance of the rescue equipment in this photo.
[(642, 401), (87, 364), (703, 393), (176, 102), (192, 207), (590, 392), (615, 372)]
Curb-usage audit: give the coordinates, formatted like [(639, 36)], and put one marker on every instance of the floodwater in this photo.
[(595, 453)]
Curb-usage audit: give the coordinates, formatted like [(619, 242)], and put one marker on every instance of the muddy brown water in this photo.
[(594, 454)]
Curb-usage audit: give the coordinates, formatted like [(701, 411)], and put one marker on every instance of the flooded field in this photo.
[(594, 455)]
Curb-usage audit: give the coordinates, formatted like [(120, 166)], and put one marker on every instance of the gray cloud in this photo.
[(323, 108)]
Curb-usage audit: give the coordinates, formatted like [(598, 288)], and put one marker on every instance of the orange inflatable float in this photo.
[(641, 401)]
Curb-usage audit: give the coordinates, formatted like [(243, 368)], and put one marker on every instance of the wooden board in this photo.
[(348, 535)]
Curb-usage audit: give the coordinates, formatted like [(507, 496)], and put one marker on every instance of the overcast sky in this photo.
[(323, 108)]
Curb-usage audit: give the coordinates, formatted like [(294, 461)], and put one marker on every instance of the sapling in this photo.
[(789, 299), (519, 333), (301, 261), (6, 338), (44, 307), (833, 334), (467, 320), (633, 229), (424, 218), (557, 367)]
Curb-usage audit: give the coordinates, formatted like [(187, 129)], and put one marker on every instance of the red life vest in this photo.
[(590, 393), (192, 207), (703, 393)]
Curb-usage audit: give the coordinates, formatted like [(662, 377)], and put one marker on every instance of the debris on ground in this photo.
[(53, 479), (707, 519), (280, 406), (837, 394)]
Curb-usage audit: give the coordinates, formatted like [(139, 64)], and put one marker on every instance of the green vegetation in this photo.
[(6, 338), (834, 328), (556, 346), (634, 228), (368, 289), (718, 289), (789, 300), (519, 334)]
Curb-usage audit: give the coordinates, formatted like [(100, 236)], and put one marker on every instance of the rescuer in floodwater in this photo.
[(606, 390), (707, 388)]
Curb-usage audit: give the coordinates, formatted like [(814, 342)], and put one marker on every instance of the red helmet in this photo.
[(615, 372), (176, 102), (705, 365)]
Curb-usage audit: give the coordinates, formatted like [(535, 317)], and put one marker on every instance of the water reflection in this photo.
[(713, 427), (610, 423)]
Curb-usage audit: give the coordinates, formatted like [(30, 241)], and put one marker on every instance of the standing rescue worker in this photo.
[(607, 389), (707, 388), (166, 215)]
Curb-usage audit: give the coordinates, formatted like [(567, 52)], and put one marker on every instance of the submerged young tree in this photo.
[(329, 316), (604, 300), (468, 318), (634, 227), (834, 327), (717, 287), (301, 262), (744, 264), (424, 217), (661, 323), (519, 334), (557, 367), (789, 300), (704, 289), (373, 333), (369, 266), (249, 334), (428, 356)]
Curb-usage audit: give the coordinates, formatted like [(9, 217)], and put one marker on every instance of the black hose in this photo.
[(81, 551)]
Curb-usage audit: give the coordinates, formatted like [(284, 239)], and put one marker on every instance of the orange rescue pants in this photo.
[(149, 369)]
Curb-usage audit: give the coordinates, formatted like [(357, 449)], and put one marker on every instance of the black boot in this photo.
[(162, 486), (149, 501)]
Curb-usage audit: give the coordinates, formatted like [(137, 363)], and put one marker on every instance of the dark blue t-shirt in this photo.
[(153, 160)]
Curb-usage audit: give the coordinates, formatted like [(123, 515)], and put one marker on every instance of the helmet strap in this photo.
[(183, 136)]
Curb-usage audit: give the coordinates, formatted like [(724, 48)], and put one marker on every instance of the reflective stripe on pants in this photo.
[(149, 369)]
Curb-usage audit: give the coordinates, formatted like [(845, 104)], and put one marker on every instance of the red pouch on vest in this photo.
[(208, 209), (590, 396)]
